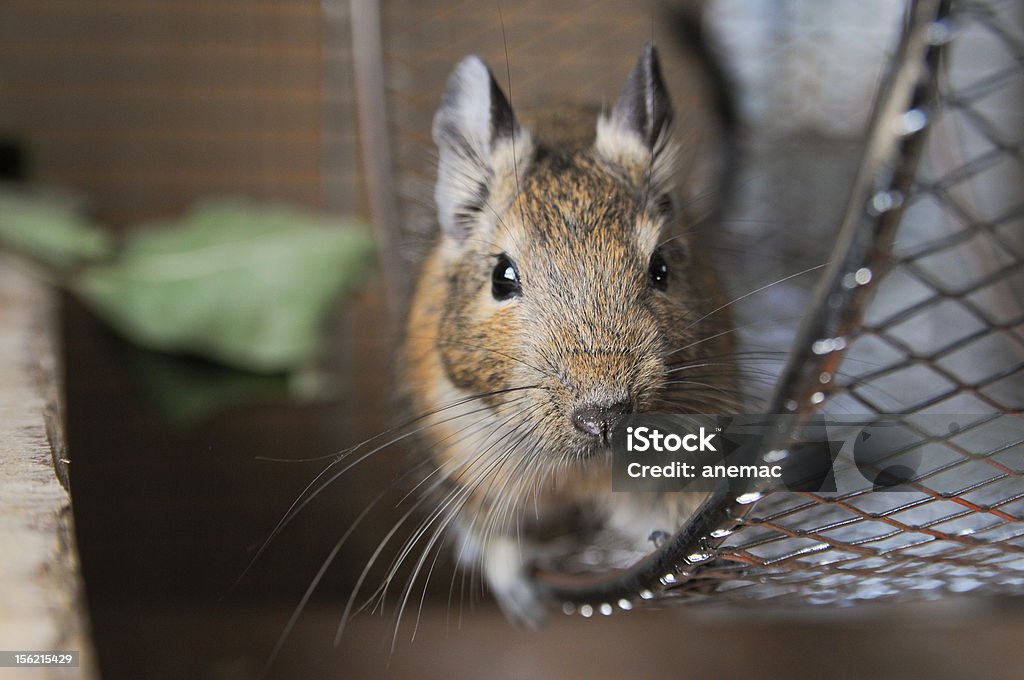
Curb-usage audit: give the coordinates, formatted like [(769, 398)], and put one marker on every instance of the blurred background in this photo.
[(139, 111)]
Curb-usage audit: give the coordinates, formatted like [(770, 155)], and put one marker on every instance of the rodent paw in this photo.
[(510, 585), (521, 606)]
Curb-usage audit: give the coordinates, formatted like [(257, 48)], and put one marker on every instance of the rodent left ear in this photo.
[(474, 110), (472, 129)]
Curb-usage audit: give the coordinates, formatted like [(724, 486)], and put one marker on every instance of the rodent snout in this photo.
[(596, 420)]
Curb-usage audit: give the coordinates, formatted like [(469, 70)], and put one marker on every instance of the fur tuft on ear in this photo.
[(479, 142), (635, 138)]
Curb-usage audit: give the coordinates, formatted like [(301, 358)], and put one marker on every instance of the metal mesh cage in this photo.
[(940, 334)]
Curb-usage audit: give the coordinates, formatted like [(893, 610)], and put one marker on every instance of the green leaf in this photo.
[(247, 286), (49, 228)]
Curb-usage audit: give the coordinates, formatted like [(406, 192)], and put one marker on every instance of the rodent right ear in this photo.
[(635, 137), (479, 143), (644, 108)]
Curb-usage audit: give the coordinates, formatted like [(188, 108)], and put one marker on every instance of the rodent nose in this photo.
[(596, 420)]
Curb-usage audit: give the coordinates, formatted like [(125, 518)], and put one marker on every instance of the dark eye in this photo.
[(657, 271), (505, 279)]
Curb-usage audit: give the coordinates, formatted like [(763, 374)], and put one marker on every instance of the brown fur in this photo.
[(581, 227)]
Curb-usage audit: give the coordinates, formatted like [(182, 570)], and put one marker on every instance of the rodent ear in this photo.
[(644, 107), (635, 138), (471, 129)]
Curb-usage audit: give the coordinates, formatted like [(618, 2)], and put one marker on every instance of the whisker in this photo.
[(756, 291), (729, 331), (508, 80), (471, 428), (293, 619), (306, 496), (436, 513), (465, 492)]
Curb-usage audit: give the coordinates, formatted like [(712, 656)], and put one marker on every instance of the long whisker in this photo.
[(458, 497), (485, 447), (293, 619), (437, 512), (756, 291), (508, 82), (439, 531), (349, 609), (729, 331), (469, 429), (306, 496)]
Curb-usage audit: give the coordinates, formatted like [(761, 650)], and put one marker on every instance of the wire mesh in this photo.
[(941, 334)]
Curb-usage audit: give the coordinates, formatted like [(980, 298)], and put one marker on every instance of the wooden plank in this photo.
[(43, 606)]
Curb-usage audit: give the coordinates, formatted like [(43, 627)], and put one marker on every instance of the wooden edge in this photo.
[(43, 605)]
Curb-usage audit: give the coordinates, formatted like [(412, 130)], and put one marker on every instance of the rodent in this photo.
[(566, 289)]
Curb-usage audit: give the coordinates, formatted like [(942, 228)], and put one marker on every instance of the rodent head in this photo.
[(572, 289)]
